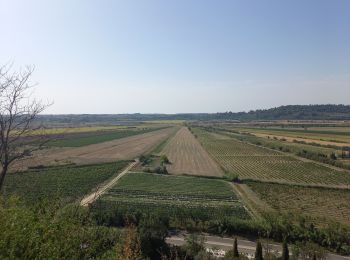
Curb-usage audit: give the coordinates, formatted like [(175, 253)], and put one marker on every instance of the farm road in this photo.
[(246, 247), (95, 195)]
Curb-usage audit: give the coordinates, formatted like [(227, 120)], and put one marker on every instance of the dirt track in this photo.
[(88, 199), (188, 156), (120, 149)]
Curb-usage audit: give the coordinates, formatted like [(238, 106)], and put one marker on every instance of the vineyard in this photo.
[(253, 162), (64, 182), (197, 197), (319, 203), (292, 147)]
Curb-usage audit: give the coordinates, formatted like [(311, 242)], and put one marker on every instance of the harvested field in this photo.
[(83, 139), (120, 149), (187, 156)]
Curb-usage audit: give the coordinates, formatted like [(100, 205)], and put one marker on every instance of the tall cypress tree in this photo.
[(285, 251), (258, 251), (235, 248)]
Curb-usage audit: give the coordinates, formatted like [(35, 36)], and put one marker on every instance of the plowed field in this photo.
[(187, 156)]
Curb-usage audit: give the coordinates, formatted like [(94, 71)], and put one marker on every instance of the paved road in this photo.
[(95, 195), (244, 246)]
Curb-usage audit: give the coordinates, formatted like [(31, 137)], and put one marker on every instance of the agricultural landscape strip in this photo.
[(126, 148), (90, 198), (187, 156), (253, 162), (330, 136), (329, 156), (62, 182), (83, 139), (172, 195), (322, 204)]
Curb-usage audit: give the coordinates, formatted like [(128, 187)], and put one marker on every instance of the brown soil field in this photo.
[(121, 149), (187, 156)]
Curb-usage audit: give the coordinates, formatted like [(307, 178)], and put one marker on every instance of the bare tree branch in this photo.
[(18, 111)]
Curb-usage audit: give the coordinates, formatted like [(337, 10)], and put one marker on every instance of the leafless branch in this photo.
[(19, 136)]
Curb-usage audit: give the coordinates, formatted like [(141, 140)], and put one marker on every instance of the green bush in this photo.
[(164, 159), (48, 231)]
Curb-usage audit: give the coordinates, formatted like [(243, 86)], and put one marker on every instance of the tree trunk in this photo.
[(2, 176)]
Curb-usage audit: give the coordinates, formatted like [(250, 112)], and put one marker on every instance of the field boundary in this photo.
[(159, 148), (88, 199), (211, 156), (250, 201)]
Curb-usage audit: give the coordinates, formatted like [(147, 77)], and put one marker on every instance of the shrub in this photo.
[(164, 159), (48, 232)]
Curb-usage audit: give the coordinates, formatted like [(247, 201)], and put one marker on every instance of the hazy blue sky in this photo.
[(180, 56)]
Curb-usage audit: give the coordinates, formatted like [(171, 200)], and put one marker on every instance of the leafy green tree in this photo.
[(153, 230), (52, 231), (130, 247), (194, 244)]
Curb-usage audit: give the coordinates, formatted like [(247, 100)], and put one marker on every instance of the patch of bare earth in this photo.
[(121, 149), (187, 156)]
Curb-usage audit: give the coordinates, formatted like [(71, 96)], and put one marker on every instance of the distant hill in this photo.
[(296, 112), (291, 112)]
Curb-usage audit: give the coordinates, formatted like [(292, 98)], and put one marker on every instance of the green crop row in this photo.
[(174, 185), (319, 203), (174, 196), (167, 196), (64, 182), (198, 211), (250, 161)]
